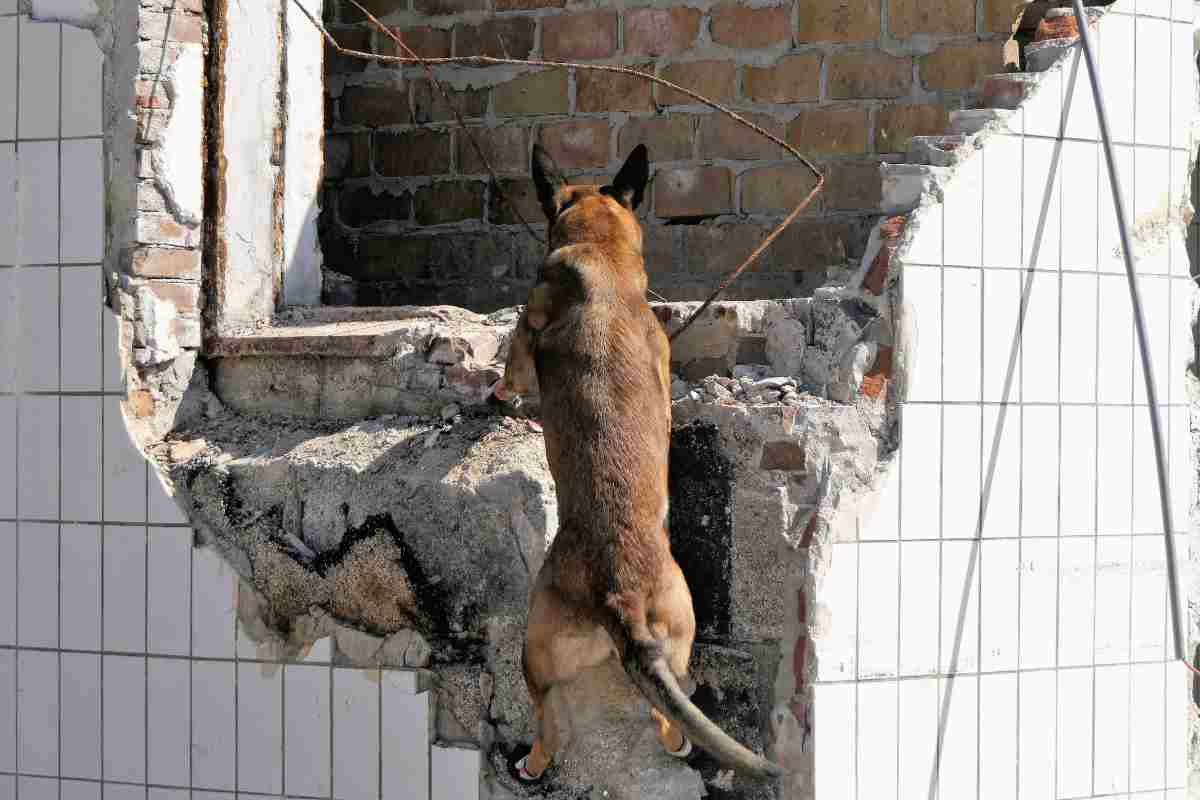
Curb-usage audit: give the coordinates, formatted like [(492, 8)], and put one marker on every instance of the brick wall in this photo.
[(408, 212)]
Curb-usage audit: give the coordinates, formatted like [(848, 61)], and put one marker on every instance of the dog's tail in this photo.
[(647, 668)]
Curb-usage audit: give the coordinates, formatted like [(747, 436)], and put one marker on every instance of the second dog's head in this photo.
[(596, 214)]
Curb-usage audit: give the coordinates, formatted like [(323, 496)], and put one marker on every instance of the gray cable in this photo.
[(1164, 489)]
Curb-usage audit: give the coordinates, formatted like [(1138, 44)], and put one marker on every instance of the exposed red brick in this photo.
[(141, 403), (799, 659), (789, 79), (692, 191), (428, 105), (810, 530), (852, 186), (875, 381), (170, 27), (425, 41), (667, 138), (723, 137), (1002, 91), (520, 197), (737, 26), (415, 152), (658, 248), (897, 124), (165, 262), (660, 31), (820, 132), (776, 188), (576, 143), (889, 234), (361, 206), (907, 18), (720, 248), (352, 39), (860, 74), (1001, 16), (527, 5), (507, 37), (379, 8), (448, 201), (607, 91), (892, 228), (163, 229), (506, 148), (184, 296), (840, 21), (354, 160), (151, 94), (578, 37), (786, 455), (374, 106), (1064, 27), (959, 67), (713, 79), (543, 92), (440, 7), (811, 245)]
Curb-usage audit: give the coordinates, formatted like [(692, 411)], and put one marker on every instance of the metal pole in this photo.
[(1164, 491)]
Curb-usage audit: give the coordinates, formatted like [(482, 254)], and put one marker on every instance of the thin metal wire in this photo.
[(484, 61), (1139, 323)]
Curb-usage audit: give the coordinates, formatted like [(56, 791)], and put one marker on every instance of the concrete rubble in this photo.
[(409, 537)]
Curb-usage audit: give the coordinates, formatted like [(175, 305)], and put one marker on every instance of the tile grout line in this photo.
[(1019, 406), (58, 595), (19, 387), (1095, 464), (191, 662), (1159, 373), (1130, 377), (1058, 587), (981, 501), (935, 777), (857, 653)]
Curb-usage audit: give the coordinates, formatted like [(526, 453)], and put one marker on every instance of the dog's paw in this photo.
[(684, 750), (522, 773)]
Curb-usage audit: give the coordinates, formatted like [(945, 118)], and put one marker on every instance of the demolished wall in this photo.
[(363, 493)]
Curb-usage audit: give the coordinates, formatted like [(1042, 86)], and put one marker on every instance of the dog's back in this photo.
[(604, 378)]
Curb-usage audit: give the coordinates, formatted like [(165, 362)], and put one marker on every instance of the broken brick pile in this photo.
[(410, 216)]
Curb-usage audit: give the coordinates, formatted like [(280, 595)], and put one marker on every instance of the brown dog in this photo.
[(589, 341)]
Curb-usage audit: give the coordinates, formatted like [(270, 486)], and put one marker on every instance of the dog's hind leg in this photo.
[(673, 622), (558, 646)]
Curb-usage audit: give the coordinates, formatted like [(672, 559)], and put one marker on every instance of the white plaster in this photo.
[(250, 116), (154, 329), (80, 13), (303, 158), (180, 155)]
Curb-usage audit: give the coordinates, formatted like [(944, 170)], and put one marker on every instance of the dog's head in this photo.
[(592, 213)]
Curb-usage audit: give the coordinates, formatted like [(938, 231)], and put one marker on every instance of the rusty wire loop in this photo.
[(482, 61)]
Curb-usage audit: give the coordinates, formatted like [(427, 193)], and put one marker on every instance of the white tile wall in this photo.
[(37, 584), (1032, 652), (168, 721), (119, 636), (80, 727)]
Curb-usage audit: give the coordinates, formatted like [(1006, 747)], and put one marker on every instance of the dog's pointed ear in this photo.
[(630, 183), (548, 180)]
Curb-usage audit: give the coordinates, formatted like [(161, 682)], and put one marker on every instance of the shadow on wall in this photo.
[(1193, 236)]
